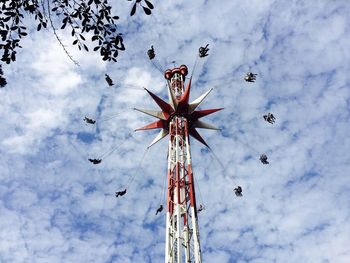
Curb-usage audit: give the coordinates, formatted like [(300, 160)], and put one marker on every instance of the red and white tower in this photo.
[(179, 119)]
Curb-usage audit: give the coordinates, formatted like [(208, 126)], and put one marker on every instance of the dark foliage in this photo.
[(11, 25), (3, 81), (78, 16), (147, 7)]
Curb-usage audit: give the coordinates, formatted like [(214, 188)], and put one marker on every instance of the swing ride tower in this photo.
[(179, 119)]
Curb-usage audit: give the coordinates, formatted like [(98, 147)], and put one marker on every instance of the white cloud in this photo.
[(57, 207)]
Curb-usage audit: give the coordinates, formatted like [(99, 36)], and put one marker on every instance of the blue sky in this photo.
[(57, 207)]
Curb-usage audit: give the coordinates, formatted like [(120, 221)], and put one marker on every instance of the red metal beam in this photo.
[(166, 108), (154, 125), (201, 113), (197, 136), (182, 107)]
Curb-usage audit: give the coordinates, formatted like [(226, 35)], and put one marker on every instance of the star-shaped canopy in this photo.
[(178, 107)]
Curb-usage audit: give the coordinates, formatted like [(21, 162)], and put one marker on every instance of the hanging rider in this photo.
[(269, 118), (160, 209), (238, 191), (250, 77), (120, 193), (151, 53), (263, 159), (203, 51), (200, 208), (95, 161), (109, 80), (89, 120)]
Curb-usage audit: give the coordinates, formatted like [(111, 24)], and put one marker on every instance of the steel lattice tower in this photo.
[(179, 119)]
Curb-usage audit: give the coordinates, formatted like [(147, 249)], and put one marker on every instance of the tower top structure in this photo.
[(178, 105)]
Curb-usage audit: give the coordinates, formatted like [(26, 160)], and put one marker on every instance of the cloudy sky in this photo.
[(55, 206)]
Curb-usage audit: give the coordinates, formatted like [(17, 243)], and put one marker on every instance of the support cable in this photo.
[(129, 86), (82, 155), (157, 65), (221, 164), (112, 116), (225, 79), (109, 152), (131, 179), (104, 203), (199, 190), (235, 137), (194, 66), (247, 145), (217, 159), (125, 86), (162, 197), (155, 62), (230, 176)]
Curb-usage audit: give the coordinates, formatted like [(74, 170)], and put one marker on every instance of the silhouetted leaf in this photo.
[(3, 81), (9, 14), (147, 10), (149, 4), (13, 56), (133, 10)]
